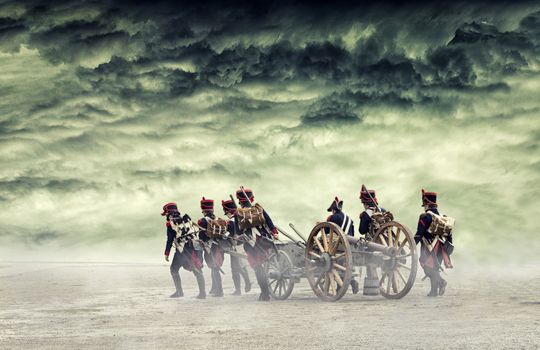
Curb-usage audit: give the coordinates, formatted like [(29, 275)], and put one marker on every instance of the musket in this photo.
[(364, 189)]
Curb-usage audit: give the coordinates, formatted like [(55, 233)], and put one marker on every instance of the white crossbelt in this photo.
[(346, 224)]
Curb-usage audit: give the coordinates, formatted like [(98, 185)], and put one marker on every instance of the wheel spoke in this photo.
[(275, 288), (390, 236), (397, 236), (337, 277), (336, 246), (281, 287), (331, 241), (404, 266), (388, 284), (338, 266), (326, 282), (383, 239), (321, 249), (314, 254), (401, 276), (324, 240), (338, 256), (402, 244), (394, 283), (332, 284), (403, 256), (319, 279)]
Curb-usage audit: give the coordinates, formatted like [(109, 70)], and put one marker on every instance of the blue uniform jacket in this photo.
[(365, 221), (342, 220)]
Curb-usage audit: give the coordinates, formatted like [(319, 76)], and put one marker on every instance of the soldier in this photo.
[(368, 229), (341, 219), (434, 249), (213, 255), (371, 205), (237, 270), (257, 253), (188, 258)]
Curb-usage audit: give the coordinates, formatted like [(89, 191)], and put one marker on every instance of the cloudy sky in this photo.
[(110, 109)]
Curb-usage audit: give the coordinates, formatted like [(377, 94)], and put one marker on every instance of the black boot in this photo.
[(200, 282), (245, 276), (216, 282), (262, 280), (178, 284), (434, 281), (442, 286), (236, 281), (354, 286)]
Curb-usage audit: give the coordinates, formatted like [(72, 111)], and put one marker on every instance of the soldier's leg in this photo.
[(175, 268), (209, 262), (216, 277), (354, 285), (262, 280), (434, 279), (245, 275), (200, 282), (235, 272)]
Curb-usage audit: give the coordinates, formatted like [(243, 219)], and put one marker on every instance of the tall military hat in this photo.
[(228, 206), (169, 208), (243, 192), (207, 204), (429, 198), (337, 204), (368, 197)]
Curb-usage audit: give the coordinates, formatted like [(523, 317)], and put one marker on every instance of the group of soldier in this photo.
[(434, 253)]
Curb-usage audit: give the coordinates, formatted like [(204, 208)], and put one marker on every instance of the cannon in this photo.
[(328, 257)]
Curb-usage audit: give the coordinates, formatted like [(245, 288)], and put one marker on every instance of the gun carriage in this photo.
[(328, 257)]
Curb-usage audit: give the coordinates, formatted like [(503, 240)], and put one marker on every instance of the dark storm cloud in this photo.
[(330, 110), (123, 104), (24, 185)]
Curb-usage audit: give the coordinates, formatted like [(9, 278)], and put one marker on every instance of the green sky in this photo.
[(108, 111)]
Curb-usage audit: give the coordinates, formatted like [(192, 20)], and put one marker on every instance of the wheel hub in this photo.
[(325, 262)]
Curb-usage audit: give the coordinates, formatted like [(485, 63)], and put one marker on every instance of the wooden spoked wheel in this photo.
[(328, 261), (399, 272), (279, 270)]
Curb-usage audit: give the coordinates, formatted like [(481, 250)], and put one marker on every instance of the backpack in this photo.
[(441, 225)]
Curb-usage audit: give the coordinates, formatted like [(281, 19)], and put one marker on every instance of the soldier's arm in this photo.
[(170, 239), (231, 227), (423, 224), (270, 224), (365, 220), (202, 233)]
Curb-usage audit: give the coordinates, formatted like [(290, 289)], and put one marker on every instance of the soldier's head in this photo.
[(429, 199), (169, 209), (245, 196), (207, 206), (337, 205), (368, 198), (229, 208)]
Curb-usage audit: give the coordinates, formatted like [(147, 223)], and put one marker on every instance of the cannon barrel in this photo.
[(376, 247)]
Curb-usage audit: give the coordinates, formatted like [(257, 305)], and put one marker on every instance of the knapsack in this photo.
[(441, 225)]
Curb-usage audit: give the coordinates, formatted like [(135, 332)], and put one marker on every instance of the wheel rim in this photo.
[(279, 270), (328, 261), (397, 274)]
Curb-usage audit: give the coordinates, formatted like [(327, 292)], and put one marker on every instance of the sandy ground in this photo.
[(122, 306)]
